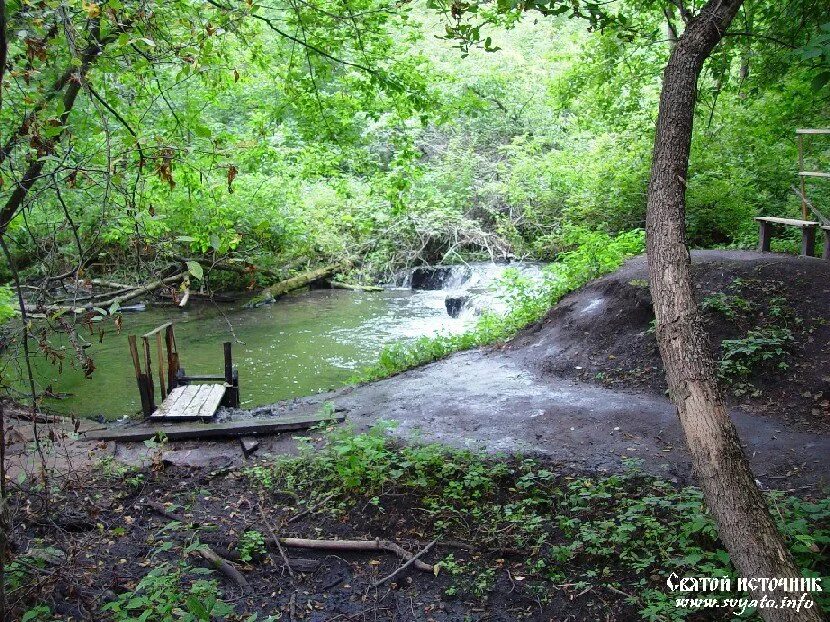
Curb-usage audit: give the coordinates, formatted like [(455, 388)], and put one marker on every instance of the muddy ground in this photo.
[(105, 534)]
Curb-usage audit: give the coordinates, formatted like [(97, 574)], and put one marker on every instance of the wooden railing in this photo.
[(803, 175)]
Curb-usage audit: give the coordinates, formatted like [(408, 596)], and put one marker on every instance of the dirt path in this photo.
[(484, 400)]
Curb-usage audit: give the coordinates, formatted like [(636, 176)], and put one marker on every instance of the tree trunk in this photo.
[(745, 526)]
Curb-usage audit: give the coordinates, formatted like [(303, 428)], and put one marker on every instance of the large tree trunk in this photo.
[(744, 523)]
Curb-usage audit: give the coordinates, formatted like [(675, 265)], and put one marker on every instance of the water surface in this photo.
[(304, 343)]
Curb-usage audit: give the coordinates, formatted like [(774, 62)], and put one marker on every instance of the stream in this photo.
[(306, 342)]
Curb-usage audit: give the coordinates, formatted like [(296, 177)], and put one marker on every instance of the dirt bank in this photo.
[(603, 333)]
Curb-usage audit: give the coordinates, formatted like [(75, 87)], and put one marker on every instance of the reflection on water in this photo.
[(306, 342)]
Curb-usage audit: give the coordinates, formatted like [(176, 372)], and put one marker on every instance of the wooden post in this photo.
[(161, 366), (231, 378), (826, 254), (808, 240), (172, 358), (148, 373), (804, 212), (146, 401), (764, 236)]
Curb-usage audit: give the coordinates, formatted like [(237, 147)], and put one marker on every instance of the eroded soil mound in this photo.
[(767, 317)]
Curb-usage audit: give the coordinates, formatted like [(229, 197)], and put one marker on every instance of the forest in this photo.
[(504, 338)]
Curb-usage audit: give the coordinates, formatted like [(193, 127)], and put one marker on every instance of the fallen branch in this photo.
[(357, 545), (356, 288), (277, 542), (403, 568), (117, 300), (162, 511), (301, 280), (224, 567)]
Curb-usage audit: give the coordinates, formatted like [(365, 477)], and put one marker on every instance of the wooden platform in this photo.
[(206, 431), (192, 402)]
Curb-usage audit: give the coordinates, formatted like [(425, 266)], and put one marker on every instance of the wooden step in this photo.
[(190, 402)]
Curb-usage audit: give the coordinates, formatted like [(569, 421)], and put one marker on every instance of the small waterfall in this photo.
[(463, 290)]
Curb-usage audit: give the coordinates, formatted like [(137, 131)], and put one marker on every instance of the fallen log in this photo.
[(358, 545), (224, 567), (272, 292), (117, 300), (204, 431), (353, 287)]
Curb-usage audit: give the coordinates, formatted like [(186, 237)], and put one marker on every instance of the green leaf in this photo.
[(195, 269), (821, 80), (202, 131)]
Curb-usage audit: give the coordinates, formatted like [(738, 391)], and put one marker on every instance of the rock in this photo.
[(266, 298), (455, 304), (249, 445), (437, 277)]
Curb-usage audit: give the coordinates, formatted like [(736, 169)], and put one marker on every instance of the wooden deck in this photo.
[(192, 402)]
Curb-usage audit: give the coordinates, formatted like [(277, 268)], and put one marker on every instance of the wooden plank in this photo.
[(814, 174), (812, 131), (228, 429), (185, 408), (207, 409), (203, 378), (192, 402), (792, 222), (178, 398)]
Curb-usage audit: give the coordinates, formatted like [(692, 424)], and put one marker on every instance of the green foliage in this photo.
[(164, 595), (8, 300), (741, 357), (251, 545), (626, 531), (593, 254), (730, 306), (294, 133), (38, 613)]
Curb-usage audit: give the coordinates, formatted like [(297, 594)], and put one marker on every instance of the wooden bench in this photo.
[(808, 232)]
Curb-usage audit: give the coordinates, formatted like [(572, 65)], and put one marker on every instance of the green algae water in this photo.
[(304, 343)]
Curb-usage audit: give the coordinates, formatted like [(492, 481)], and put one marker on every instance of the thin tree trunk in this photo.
[(745, 526), (4, 513)]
